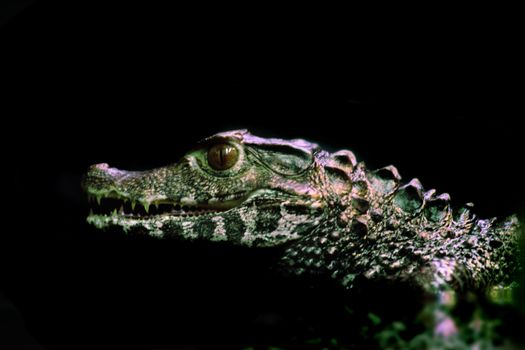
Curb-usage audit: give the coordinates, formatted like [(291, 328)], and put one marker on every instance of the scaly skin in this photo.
[(330, 215)]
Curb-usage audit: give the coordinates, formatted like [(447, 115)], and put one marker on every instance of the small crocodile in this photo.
[(330, 214)]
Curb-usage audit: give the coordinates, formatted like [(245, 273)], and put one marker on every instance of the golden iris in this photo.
[(222, 156)]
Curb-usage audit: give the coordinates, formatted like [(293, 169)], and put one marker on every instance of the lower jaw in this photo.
[(127, 222), (161, 217), (154, 225)]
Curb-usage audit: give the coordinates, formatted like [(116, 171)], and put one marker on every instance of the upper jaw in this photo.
[(113, 204), (120, 204)]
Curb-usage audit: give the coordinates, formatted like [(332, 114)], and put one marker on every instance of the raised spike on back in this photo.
[(345, 159), (385, 180), (437, 208), (409, 197)]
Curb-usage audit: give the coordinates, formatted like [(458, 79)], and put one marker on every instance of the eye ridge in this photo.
[(222, 156)]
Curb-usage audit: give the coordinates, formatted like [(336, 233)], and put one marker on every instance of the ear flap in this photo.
[(283, 159)]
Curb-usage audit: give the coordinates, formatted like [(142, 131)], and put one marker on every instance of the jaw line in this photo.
[(154, 222)]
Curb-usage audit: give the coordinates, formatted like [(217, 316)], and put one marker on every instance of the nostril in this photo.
[(103, 173), (101, 166)]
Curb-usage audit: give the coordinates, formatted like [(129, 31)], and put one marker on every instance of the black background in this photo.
[(136, 85)]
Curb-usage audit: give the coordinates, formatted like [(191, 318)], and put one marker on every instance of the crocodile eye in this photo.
[(222, 156)]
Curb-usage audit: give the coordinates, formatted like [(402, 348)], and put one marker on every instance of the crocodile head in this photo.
[(232, 186)]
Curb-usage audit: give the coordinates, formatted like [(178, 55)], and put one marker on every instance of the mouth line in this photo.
[(108, 205)]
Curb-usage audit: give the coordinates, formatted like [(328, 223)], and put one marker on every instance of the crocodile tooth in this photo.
[(90, 212), (121, 210), (146, 206), (133, 203), (99, 197), (156, 204)]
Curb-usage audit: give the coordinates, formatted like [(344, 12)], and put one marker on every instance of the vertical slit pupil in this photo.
[(222, 156)]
